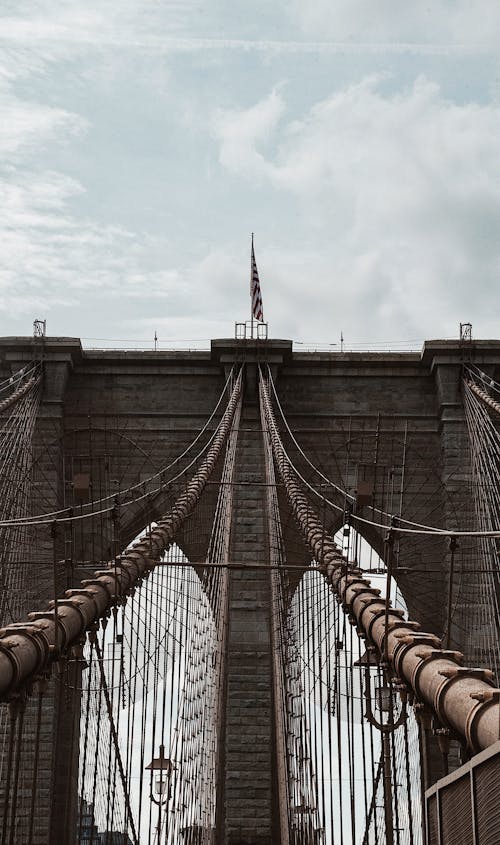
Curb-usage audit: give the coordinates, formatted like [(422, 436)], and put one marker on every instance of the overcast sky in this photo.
[(142, 141)]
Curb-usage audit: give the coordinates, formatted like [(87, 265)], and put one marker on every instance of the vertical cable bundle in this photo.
[(19, 403), (335, 691), (299, 819), (484, 439)]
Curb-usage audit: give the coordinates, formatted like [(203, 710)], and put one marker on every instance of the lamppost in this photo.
[(385, 704), (161, 769)]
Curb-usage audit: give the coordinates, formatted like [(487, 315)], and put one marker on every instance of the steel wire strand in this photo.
[(147, 598), (483, 396), (197, 740), (195, 732), (398, 528), (346, 496), (485, 450), (486, 461), (315, 469), (281, 685), (348, 584), (13, 431), (122, 574), (15, 476), (301, 643), (148, 654), (19, 393), (472, 374), (9, 382), (485, 480), (475, 372), (16, 447), (43, 519), (485, 443), (16, 439), (417, 528), (15, 456), (116, 745), (218, 551), (48, 518)]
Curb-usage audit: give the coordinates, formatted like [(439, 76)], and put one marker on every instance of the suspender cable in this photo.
[(461, 698)]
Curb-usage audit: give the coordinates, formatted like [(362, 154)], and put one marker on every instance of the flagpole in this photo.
[(251, 302)]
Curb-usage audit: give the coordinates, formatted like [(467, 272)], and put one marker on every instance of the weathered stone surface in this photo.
[(118, 416)]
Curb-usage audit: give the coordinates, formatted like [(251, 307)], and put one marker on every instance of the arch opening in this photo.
[(148, 693), (339, 683)]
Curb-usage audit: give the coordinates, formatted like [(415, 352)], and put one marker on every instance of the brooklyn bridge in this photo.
[(249, 594)]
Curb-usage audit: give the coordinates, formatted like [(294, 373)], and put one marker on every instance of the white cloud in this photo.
[(377, 210), (126, 22), (240, 131), (29, 125), (284, 26), (437, 21), (401, 193), (54, 259), (51, 259)]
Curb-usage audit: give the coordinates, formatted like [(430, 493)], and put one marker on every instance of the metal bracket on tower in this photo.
[(465, 332), (466, 341), (39, 328), (244, 331)]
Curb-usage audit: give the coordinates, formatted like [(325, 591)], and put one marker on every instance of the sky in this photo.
[(143, 141)]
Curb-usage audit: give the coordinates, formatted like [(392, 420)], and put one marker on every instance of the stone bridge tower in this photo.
[(386, 427)]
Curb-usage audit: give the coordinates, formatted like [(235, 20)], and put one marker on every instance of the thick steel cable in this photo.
[(307, 604), (8, 383), (61, 514), (416, 527), (25, 652), (461, 698), (19, 392), (472, 375)]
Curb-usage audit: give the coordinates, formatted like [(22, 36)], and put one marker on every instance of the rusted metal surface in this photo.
[(463, 699), (27, 648), (463, 808), (485, 397), (20, 391)]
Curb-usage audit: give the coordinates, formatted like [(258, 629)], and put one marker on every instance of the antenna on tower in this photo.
[(465, 332), (39, 328)]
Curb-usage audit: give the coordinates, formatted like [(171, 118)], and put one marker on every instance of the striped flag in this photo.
[(255, 294)]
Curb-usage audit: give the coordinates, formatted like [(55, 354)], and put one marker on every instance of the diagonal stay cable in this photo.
[(477, 718), (417, 528), (48, 518), (77, 611), (114, 736)]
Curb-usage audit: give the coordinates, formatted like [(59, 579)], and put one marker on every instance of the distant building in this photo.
[(87, 829), (114, 837), (90, 835)]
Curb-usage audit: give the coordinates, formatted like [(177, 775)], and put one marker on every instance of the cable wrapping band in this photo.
[(27, 648), (462, 699), (18, 393), (485, 397)]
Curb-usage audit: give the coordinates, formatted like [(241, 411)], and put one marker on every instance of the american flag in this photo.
[(255, 294)]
